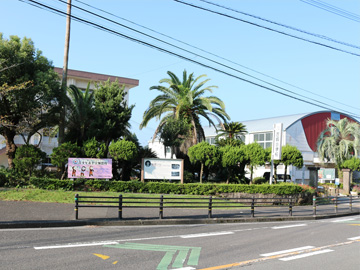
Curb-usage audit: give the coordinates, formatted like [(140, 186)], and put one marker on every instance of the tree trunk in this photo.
[(201, 172), (9, 136), (251, 174)]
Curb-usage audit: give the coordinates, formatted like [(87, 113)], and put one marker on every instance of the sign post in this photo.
[(276, 147)]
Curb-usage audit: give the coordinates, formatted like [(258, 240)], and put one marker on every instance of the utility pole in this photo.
[(64, 75)]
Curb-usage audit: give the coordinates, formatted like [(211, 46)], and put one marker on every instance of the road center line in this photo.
[(228, 266)]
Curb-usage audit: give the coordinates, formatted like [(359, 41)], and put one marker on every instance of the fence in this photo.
[(209, 203)]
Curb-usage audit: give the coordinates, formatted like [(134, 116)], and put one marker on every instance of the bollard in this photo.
[(314, 205), (350, 203), (210, 207), (336, 204), (290, 206), (253, 207), (161, 207), (76, 206), (120, 206)]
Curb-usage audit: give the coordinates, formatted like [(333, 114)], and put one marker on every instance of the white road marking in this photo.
[(205, 234), (288, 226), (342, 220), (286, 251), (354, 238), (78, 245), (185, 268), (306, 255)]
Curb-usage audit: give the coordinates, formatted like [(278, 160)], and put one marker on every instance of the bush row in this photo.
[(165, 188)]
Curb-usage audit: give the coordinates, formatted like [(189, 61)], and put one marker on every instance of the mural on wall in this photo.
[(90, 168)]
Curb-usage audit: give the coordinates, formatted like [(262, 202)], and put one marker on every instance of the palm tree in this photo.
[(80, 113), (339, 141), (185, 100), (232, 130)]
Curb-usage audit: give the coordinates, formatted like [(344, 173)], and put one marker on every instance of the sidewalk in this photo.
[(21, 214)]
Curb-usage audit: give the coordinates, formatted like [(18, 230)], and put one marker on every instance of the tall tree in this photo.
[(231, 131), (291, 155), (184, 99), (208, 155), (29, 91), (256, 155), (339, 141), (112, 113), (80, 114), (173, 133), (234, 159)]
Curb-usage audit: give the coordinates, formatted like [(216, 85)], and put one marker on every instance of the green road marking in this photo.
[(180, 259), (194, 256), (171, 251), (166, 261)]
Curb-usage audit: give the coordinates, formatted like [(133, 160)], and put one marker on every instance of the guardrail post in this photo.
[(253, 207), (350, 203), (210, 207), (336, 204), (314, 205), (161, 215), (290, 206), (120, 206), (76, 206)]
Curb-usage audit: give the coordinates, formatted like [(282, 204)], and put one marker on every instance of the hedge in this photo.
[(164, 188)]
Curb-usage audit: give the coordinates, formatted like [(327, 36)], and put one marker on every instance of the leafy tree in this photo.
[(208, 155), (255, 155), (29, 91), (27, 157), (185, 100), (353, 164), (94, 149), (339, 141), (234, 160), (232, 131), (80, 114), (123, 151), (113, 114), (62, 153), (291, 155), (173, 133)]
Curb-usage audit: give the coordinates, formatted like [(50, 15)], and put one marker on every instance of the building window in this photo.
[(264, 139), (210, 140), (168, 149)]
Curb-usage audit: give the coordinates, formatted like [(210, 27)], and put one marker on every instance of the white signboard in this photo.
[(276, 144), (162, 169)]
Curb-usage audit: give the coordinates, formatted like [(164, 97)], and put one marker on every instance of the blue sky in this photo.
[(315, 72)]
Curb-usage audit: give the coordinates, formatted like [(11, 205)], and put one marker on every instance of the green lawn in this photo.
[(60, 196)]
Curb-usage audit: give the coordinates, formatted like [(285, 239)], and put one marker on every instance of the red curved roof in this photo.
[(314, 124)]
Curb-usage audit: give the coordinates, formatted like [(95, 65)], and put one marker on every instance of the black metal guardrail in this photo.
[(336, 201), (208, 203)]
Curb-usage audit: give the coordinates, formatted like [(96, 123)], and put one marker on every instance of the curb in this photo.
[(148, 222)]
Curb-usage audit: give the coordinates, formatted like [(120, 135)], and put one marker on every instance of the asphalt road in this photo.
[(322, 244)]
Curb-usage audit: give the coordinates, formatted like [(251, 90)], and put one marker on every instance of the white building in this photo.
[(300, 130), (81, 80)]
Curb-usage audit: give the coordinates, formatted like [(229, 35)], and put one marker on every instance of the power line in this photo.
[(208, 59), (100, 27), (230, 61), (283, 25), (267, 28), (333, 9)]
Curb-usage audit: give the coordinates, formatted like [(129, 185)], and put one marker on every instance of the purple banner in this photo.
[(89, 168)]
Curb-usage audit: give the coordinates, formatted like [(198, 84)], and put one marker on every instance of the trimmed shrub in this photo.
[(165, 188)]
